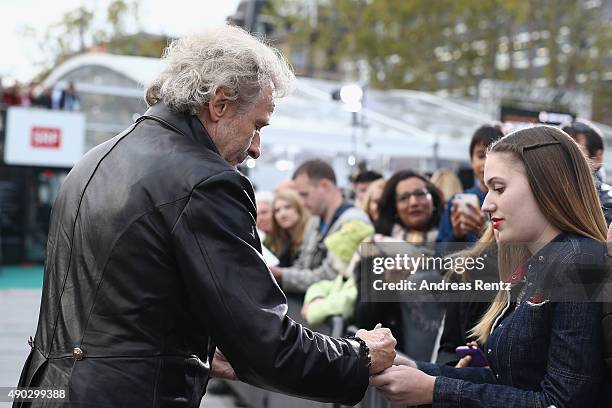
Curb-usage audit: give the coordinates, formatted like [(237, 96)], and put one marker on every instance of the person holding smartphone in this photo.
[(462, 220)]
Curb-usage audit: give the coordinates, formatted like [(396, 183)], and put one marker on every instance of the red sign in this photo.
[(46, 137)]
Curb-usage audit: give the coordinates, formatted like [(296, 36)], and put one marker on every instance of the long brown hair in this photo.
[(561, 181), (277, 238)]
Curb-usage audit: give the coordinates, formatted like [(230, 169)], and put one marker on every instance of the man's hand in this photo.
[(381, 343), (404, 385), (221, 368)]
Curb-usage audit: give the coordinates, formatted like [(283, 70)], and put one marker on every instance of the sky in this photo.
[(175, 18)]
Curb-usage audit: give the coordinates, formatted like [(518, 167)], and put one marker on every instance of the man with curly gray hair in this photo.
[(229, 80), (154, 278)]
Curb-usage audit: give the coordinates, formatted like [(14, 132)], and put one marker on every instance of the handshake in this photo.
[(396, 378)]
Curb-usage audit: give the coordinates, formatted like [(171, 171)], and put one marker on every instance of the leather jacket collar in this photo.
[(188, 125)]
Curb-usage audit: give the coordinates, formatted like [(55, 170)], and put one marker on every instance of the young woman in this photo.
[(545, 348), (289, 217)]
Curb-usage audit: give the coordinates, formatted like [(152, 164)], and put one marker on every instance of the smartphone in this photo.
[(467, 198), (478, 357)]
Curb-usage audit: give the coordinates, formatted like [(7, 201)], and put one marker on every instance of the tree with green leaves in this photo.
[(77, 31), (452, 44)]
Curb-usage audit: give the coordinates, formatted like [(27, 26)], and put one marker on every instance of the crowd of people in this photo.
[(321, 259), (62, 98)]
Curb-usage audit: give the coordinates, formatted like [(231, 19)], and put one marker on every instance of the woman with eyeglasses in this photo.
[(410, 208), (543, 340), (409, 211)]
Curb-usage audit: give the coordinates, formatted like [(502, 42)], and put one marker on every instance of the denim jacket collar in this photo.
[(547, 254)]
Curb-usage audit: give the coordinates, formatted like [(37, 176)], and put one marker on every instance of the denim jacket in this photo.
[(543, 353)]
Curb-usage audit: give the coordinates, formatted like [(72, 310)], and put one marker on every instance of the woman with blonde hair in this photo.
[(543, 339), (371, 198), (448, 183), (289, 218)]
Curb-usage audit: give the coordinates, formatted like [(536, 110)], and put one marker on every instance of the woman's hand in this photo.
[(466, 360), (404, 385), (405, 361)]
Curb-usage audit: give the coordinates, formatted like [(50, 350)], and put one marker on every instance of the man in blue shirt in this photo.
[(466, 226)]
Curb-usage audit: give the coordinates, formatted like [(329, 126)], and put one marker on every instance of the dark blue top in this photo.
[(324, 227)]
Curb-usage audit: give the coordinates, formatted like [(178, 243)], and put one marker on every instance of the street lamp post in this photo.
[(352, 95)]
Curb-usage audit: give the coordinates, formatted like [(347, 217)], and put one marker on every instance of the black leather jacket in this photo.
[(152, 260)]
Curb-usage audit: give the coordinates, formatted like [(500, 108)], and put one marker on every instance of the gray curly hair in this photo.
[(226, 58)]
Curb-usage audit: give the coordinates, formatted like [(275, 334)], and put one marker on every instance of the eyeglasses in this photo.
[(417, 194)]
